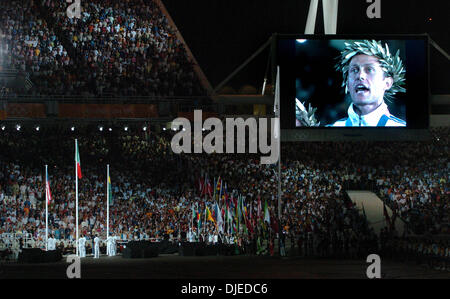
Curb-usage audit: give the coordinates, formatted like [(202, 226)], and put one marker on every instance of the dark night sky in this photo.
[(222, 34)]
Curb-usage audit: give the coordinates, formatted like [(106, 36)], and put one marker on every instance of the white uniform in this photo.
[(32, 243), (96, 247), (210, 238), (114, 245), (15, 248), (82, 247), (380, 117), (109, 246)]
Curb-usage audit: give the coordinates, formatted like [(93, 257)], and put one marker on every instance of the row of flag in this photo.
[(79, 175), (218, 191), (229, 214)]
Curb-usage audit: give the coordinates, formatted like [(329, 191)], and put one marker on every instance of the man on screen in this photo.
[(371, 75)]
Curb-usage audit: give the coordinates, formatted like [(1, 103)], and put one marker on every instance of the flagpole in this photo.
[(205, 219), (278, 134), (76, 198), (217, 218), (107, 200), (46, 210)]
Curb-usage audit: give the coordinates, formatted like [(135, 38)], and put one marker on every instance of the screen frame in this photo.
[(287, 113)]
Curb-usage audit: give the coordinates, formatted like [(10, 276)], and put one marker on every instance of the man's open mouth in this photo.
[(360, 88)]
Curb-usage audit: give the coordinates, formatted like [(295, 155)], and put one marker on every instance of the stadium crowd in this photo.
[(116, 48), (156, 194), (29, 45)]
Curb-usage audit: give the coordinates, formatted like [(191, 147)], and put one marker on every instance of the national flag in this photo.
[(47, 190), (266, 213), (206, 187), (77, 160), (215, 211), (110, 197), (250, 226), (219, 217), (259, 210), (225, 194), (221, 192), (208, 215), (228, 215), (238, 210), (199, 220), (219, 184), (201, 183), (244, 215), (242, 209), (222, 213), (193, 213)]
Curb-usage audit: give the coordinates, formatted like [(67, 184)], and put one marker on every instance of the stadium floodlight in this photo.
[(101, 129), (72, 129), (3, 128), (18, 127), (125, 129), (110, 129), (144, 128), (164, 129), (37, 128)]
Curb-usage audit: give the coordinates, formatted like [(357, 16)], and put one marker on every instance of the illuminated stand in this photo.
[(330, 14)]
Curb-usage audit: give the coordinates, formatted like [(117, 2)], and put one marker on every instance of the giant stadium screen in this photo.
[(334, 81)]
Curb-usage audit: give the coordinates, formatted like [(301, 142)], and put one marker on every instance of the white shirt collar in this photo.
[(368, 120)]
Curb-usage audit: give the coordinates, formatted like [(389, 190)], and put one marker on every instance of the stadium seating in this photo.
[(117, 48), (317, 218)]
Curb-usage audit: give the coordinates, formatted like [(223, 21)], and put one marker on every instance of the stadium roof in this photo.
[(223, 34)]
